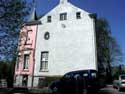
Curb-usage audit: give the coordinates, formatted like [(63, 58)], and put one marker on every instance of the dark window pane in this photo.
[(63, 16), (49, 19), (26, 62), (78, 15)]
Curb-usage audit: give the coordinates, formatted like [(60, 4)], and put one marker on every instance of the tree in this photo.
[(12, 14), (108, 50), (7, 72), (117, 70), (115, 52), (102, 35)]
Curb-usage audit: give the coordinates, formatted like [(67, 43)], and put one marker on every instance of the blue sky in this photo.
[(112, 10)]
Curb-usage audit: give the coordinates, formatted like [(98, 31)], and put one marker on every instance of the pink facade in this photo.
[(26, 51), (26, 46)]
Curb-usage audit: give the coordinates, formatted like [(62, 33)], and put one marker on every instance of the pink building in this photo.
[(26, 51)]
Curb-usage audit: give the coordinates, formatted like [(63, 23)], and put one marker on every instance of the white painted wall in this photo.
[(71, 48)]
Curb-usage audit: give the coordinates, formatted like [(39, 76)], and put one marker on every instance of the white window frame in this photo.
[(44, 61), (26, 61)]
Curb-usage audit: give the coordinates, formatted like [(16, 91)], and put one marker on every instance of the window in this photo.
[(122, 77), (63, 16), (25, 80), (93, 75), (44, 60), (26, 61), (85, 74), (29, 38), (78, 15), (46, 35), (49, 19)]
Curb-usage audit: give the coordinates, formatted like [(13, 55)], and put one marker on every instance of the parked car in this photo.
[(19, 90), (81, 81), (119, 83)]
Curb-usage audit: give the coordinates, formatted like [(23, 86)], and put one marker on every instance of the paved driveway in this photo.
[(110, 90)]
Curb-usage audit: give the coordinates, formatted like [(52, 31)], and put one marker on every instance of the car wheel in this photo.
[(115, 87), (85, 91), (55, 89), (118, 88)]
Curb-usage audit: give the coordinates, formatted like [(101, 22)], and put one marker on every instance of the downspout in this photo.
[(34, 58), (34, 53)]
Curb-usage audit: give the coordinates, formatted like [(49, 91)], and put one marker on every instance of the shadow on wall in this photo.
[(45, 82)]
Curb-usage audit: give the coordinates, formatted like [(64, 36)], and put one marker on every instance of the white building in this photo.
[(65, 42)]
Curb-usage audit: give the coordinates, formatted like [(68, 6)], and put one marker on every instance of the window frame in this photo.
[(44, 61), (63, 16), (26, 62), (49, 19), (78, 15)]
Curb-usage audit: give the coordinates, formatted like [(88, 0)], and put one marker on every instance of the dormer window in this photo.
[(49, 19), (63, 16), (78, 15)]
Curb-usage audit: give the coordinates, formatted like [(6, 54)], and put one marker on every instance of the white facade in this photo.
[(71, 45)]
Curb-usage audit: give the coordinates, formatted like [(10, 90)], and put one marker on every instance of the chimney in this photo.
[(63, 1)]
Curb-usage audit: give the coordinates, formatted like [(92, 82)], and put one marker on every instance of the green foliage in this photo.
[(7, 71), (118, 70), (12, 14), (103, 36), (115, 52), (108, 50)]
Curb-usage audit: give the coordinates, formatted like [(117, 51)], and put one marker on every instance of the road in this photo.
[(4, 90), (110, 90), (121, 92), (107, 90)]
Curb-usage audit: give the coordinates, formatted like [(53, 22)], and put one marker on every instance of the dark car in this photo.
[(54, 86), (19, 90), (76, 82)]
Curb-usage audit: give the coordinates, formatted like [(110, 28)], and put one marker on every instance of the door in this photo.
[(25, 80)]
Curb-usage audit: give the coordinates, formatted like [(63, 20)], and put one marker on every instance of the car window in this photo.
[(76, 76), (93, 75), (67, 76), (85, 74), (122, 76)]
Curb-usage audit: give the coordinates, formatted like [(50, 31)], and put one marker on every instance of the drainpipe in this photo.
[(33, 68), (34, 55)]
